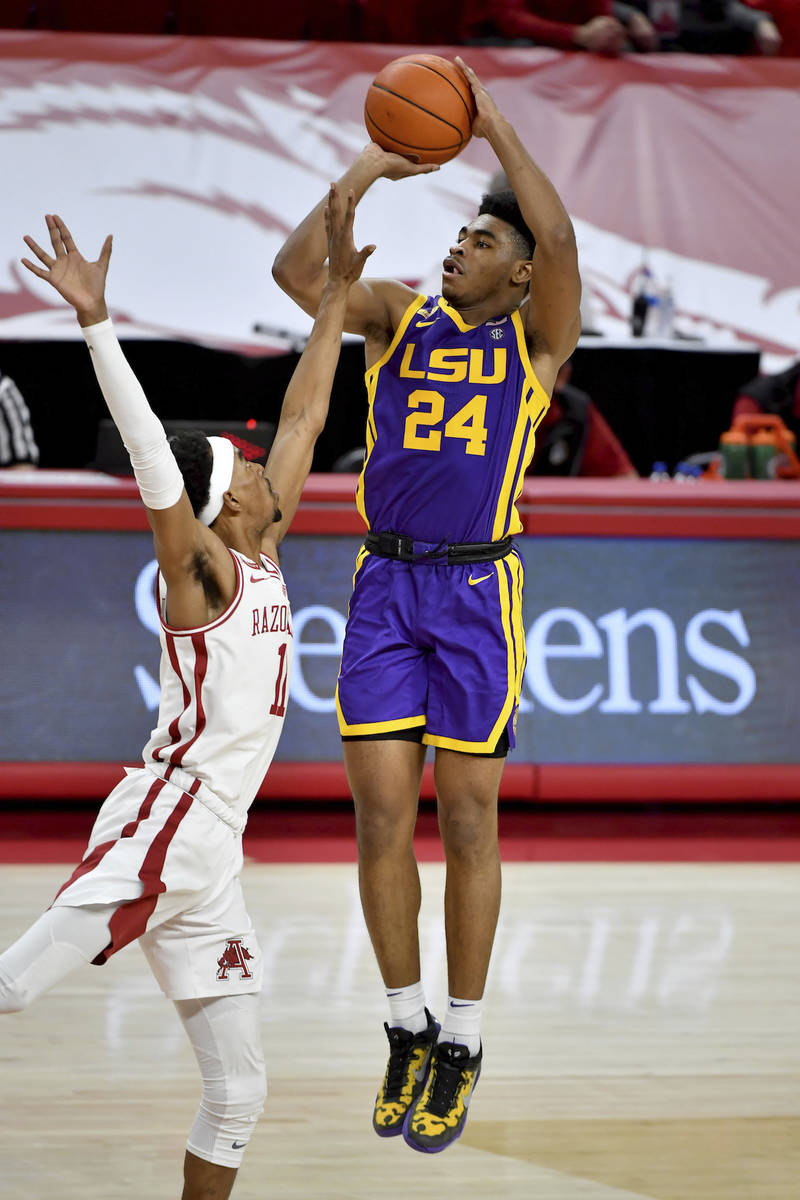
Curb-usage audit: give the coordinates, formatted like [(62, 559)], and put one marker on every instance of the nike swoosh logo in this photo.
[(238, 1145), (421, 324), (258, 579), (420, 1072), (472, 581), (452, 1002)]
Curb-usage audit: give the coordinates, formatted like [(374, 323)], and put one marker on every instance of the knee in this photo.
[(14, 996), (469, 831), (227, 1116), (254, 1095), (236, 1098), (383, 828)]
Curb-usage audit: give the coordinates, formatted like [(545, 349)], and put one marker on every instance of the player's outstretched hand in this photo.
[(81, 283), (345, 263), (487, 110), (396, 166)]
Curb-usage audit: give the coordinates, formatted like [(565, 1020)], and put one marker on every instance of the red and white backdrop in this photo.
[(200, 155)]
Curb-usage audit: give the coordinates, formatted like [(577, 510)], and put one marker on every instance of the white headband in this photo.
[(221, 476)]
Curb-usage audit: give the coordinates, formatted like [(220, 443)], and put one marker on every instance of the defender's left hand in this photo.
[(80, 282)]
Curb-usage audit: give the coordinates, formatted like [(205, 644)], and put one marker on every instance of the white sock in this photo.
[(407, 1007), (462, 1024)]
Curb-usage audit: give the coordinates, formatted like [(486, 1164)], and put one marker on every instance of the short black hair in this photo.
[(192, 451), (504, 206)]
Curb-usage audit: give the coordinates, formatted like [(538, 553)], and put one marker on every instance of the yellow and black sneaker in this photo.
[(406, 1072), (440, 1114)]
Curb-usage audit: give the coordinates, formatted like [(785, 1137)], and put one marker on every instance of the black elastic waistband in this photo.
[(405, 549)]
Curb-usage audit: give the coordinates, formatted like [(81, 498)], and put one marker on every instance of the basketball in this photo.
[(420, 106)]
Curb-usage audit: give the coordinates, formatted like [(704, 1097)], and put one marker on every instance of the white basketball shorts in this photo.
[(169, 868)]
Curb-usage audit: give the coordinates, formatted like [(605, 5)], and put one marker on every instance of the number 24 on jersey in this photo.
[(428, 413)]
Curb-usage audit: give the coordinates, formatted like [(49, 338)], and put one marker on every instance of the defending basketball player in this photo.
[(434, 648), (165, 854)]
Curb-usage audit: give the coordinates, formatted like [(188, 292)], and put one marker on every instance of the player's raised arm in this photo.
[(305, 405), (300, 267), (552, 314), (180, 539)]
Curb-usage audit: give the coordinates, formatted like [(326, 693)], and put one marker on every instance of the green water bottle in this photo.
[(734, 450), (763, 454)]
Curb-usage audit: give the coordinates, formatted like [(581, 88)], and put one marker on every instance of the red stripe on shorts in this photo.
[(99, 852), (130, 920)]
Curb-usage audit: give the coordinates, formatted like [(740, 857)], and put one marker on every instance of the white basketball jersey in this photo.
[(224, 688)]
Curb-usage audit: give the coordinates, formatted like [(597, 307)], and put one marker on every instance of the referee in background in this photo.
[(18, 447)]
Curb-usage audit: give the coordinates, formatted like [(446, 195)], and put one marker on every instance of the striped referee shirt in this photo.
[(17, 443)]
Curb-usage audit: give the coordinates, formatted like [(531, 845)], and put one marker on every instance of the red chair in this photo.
[(414, 22), (335, 21), (244, 18), (101, 16), (19, 14)]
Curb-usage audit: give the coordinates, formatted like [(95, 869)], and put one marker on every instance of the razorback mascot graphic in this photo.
[(235, 957)]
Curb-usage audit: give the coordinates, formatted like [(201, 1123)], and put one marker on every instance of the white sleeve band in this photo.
[(157, 473)]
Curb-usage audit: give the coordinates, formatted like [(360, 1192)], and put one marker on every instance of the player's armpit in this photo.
[(196, 565)]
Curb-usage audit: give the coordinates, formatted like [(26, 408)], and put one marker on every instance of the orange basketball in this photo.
[(420, 106)]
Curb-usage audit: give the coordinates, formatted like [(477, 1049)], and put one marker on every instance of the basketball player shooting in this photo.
[(434, 648), (165, 854)]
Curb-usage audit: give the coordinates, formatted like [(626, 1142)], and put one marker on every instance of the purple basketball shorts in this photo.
[(436, 647)]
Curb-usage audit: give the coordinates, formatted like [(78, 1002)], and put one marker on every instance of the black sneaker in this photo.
[(406, 1072), (440, 1114)]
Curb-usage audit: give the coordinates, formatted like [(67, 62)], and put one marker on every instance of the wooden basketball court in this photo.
[(641, 1040)]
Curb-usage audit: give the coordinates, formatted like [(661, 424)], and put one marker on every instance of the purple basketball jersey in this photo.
[(453, 410)]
